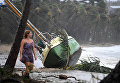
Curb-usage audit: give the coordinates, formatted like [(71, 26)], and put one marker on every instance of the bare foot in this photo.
[(23, 73)]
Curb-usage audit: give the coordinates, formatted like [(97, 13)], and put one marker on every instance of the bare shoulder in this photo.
[(31, 40), (23, 41)]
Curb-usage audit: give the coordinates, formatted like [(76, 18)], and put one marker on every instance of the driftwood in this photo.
[(114, 76)]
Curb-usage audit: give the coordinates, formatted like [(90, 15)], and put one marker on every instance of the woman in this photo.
[(27, 49)]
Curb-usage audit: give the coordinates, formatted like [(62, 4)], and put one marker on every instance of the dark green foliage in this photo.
[(92, 66), (85, 22), (2, 73)]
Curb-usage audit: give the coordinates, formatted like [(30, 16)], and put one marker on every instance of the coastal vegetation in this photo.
[(93, 65), (86, 22)]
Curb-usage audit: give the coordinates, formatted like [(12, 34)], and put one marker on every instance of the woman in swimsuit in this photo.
[(27, 49)]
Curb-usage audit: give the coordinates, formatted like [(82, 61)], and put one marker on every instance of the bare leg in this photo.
[(27, 69), (31, 66)]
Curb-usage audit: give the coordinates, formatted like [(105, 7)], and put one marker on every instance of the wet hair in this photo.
[(26, 33)]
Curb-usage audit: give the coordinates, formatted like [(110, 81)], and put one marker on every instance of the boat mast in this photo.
[(29, 24)]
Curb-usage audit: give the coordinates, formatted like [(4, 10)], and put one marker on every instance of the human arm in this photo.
[(34, 51), (21, 49)]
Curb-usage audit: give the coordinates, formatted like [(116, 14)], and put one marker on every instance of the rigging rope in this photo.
[(29, 24)]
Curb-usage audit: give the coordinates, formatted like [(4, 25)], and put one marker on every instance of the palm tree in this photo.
[(10, 63)]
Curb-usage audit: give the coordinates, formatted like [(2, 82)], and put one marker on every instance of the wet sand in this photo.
[(51, 75), (41, 73), (5, 48)]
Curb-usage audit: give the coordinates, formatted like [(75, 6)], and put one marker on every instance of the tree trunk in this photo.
[(10, 63), (114, 76)]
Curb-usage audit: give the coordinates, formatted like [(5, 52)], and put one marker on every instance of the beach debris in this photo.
[(93, 65)]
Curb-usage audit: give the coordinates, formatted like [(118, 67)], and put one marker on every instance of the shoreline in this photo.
[(98, 45), (5, 48)]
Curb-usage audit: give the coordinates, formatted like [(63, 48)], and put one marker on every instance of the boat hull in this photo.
[(56, 59)]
